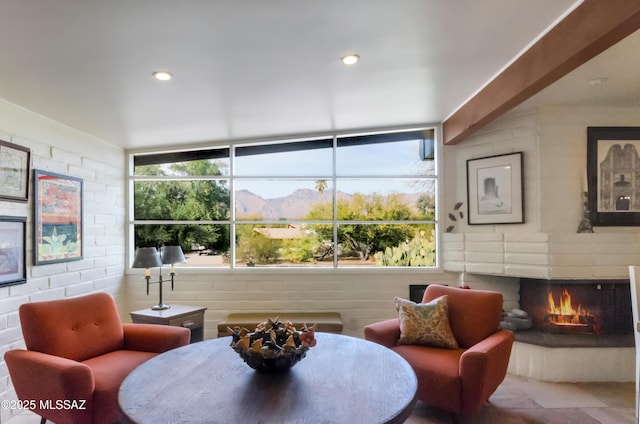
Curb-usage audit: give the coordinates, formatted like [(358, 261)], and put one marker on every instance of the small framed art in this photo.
[(495, 190), (14, 172), (12, 250)]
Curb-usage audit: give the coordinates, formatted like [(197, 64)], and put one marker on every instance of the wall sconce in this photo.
[(148, 257)]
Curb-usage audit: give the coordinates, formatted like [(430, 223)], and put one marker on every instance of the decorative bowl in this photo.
[(273, 347), (279, 363)]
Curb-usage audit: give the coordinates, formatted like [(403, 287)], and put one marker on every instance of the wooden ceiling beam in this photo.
[(587, 31)]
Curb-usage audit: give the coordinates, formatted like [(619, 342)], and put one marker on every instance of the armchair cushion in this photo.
[(61, 327), (425, 324), (109, 370)]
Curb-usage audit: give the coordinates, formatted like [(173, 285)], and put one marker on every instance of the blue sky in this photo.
[(397, 159)]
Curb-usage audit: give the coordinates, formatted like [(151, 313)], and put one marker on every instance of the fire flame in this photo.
[(565, 313)]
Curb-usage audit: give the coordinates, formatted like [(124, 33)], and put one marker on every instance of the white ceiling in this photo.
[(255, 68)]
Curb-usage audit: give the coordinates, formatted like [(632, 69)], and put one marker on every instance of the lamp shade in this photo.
[(172, 255), (147, 257)]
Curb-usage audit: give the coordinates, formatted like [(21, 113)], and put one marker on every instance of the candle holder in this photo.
[(585, 225)]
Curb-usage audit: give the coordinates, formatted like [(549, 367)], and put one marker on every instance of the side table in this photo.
[(191, 317)]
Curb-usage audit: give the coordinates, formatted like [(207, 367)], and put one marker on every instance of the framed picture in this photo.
[(58, 218), (12, 250), (613, 175), (495, 190), (14, 172)]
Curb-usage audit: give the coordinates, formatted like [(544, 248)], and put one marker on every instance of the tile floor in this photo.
[(522, 401)]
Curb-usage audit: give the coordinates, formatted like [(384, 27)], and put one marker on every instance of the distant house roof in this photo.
[(290, 232)]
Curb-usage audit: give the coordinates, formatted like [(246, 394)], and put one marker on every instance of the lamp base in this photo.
[(160, 307)]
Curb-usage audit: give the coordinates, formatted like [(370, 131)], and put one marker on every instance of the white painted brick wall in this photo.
[(554, 143), (60, 149), (360, 297)]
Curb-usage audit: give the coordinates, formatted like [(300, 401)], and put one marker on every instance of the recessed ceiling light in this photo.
[(350, 59), (163, 75)]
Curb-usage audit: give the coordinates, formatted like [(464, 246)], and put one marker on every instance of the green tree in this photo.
[(256, 247), (364, 239), (426, 205), (193, 200), (301, 250)]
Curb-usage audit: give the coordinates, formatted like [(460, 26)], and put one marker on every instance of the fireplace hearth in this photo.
[(569, 313)]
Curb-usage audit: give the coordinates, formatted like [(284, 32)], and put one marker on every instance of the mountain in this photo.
[(250, 205), (294, 206)]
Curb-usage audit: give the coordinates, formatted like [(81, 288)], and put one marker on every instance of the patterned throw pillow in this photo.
[(425, 323)]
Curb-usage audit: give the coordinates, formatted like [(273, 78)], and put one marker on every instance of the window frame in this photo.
[(191, 152)]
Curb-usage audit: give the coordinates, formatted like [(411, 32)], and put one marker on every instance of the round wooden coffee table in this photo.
[(342, 380)]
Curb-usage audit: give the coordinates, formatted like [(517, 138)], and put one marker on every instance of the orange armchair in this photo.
[(78, 353), (458, 380)]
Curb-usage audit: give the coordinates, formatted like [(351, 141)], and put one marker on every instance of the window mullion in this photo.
[(232, 207)]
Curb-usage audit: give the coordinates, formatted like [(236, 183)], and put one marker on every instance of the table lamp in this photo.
[(148, 257)]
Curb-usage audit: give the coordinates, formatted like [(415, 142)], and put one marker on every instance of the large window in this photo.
[(351, 201)]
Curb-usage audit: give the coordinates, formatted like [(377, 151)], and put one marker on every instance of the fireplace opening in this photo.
[(583, 312), (566, 316)]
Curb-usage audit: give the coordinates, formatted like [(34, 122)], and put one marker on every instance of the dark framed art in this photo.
[(495, 190), (14, 172), (12, 250), (613, 175), (58, 218)]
